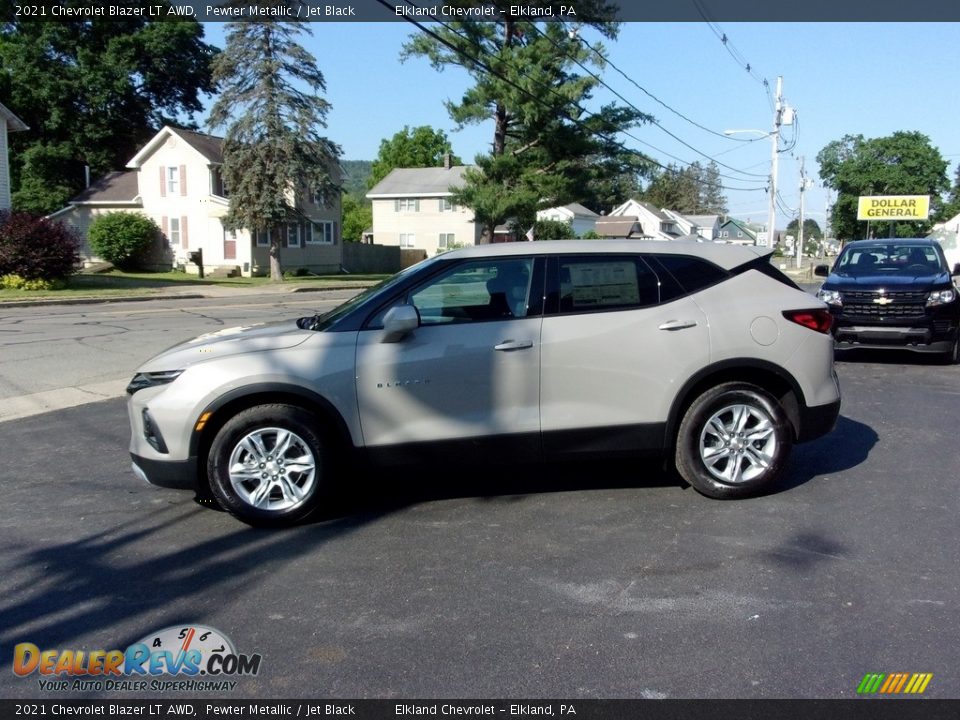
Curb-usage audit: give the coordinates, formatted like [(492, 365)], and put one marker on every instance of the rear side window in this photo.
[(606, 282), (682, 274)]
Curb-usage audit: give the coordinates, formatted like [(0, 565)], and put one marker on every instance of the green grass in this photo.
[(140, 284)]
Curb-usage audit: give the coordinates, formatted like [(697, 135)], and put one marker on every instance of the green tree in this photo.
[(811, 229), (92, 92), (904, 163), (411, 148), (120, 237), (951, 207), (693, 190), (552, 230), (546, 149), (357, 217), (274, 148)]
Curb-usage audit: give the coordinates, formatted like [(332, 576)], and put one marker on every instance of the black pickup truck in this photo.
[(897, 293)]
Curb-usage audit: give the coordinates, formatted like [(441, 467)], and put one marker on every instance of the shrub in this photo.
[(34, 248), (120, 237), (15, 282), (590, 235)]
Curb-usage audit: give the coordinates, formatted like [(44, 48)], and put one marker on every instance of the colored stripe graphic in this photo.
[(894, 683)]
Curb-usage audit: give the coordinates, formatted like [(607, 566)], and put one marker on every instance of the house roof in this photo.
[(578, 209), (418, 182), (620, 210), (14, 124), (702, 220), (621, 226), (209, 146), (114, 187)]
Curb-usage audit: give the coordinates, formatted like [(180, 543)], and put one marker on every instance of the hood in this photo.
[(926, 281), (229, 341)]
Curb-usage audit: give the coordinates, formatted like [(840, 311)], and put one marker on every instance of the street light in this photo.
[(774, 135)]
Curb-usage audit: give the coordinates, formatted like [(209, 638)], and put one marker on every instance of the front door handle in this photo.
[(507, 345), (677, 325)]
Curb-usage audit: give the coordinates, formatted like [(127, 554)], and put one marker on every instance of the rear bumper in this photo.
[(818, 420), (175, 474)]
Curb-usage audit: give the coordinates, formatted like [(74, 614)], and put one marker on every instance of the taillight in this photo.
[(819, 320)]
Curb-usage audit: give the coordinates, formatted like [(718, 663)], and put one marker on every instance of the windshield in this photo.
[(890, 259), (325, 320)]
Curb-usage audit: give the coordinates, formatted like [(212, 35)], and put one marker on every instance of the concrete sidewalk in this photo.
[(191, 292)]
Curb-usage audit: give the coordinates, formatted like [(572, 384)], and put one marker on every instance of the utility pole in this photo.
[(774, 140), (804, 184)]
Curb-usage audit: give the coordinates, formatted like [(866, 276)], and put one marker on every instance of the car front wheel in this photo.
[(733, 441), (267, 465)]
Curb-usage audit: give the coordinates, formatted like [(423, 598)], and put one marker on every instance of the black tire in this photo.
[(952, 356), (741, 466), (269, 490)]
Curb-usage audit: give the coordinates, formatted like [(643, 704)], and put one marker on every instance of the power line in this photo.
[(582, 111)]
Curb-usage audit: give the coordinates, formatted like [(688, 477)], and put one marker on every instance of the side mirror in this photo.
[(956, 269), (822, 270), (399, 322)]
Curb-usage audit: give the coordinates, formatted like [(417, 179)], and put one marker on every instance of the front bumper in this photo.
[(177, 474), (928, 338)]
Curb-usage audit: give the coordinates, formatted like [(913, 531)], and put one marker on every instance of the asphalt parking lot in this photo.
[(590, 581)]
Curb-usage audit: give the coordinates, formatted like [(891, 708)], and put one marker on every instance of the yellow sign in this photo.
[(893, 207)]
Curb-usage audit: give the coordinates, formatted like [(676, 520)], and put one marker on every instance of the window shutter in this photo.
[(165, 226), (163, 184), (183, 179), (183, 232), (336, 232)]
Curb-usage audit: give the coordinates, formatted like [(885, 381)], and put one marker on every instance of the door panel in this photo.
[(470, 371)]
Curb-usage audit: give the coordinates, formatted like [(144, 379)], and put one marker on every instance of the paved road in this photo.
[(59, 356), (576, 582)]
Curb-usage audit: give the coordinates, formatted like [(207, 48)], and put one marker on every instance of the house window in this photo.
[(293, 234), (407, 240), (446, 205), (174, 235), (446, 240), (173, 180), (263, 238), (739, 234), (322, 233), (406, 205)]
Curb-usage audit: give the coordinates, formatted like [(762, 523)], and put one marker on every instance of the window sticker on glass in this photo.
[(604, 284)]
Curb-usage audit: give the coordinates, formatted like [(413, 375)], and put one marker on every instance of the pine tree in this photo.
[(274, 148)]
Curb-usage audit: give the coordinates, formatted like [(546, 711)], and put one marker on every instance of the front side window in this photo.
[(590, 283)]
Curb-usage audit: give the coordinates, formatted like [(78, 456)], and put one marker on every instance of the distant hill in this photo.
[(357, 173)]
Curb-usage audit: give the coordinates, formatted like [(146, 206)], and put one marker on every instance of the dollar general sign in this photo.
[(893, 207)]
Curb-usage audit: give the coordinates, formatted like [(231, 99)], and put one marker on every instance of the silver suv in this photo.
[(701, 353)]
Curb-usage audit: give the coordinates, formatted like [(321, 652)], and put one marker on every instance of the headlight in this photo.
[(152, 379), (941, 297), (830, 297)]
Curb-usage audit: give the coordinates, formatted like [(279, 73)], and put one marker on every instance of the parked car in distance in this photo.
[(703, 354), (896, 293)]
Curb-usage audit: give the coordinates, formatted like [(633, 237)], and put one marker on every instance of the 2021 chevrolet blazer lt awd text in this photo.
[(702, 353)]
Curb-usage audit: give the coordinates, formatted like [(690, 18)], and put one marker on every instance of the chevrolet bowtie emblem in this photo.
[(882, 301)]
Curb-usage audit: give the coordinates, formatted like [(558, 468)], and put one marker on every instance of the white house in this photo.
[(654, 223), (706, 227), (8, 123), (175, 180), (412, 209), (581, 219)]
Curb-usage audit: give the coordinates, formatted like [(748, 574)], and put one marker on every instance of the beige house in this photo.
[(175, 180), (8, 123), (412, 210)]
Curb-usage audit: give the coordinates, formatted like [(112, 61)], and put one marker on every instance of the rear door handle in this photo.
[(507, 345), (677, 325)]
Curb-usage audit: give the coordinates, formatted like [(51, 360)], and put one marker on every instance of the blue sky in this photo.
[(842, 78)]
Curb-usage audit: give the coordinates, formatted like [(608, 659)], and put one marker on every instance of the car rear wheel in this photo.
[(267, 465), (734, 440)]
